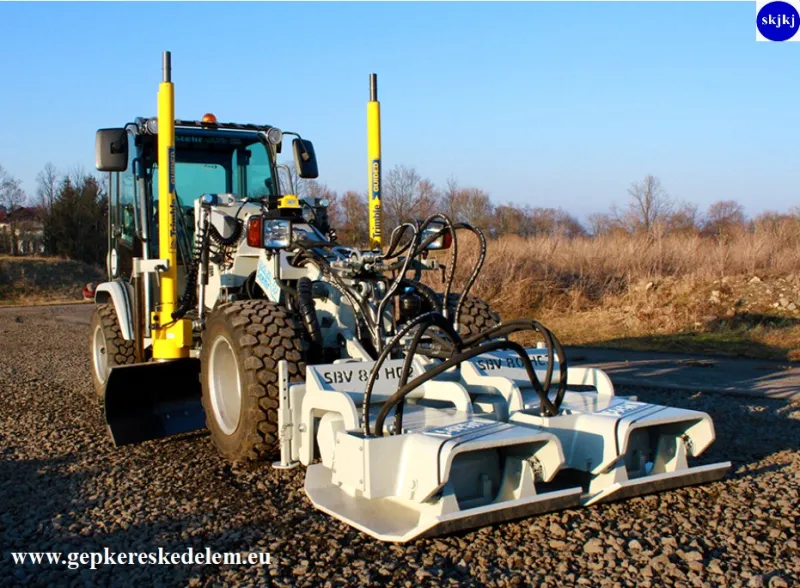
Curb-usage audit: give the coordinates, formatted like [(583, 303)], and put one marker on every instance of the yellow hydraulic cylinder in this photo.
[(374, 157), (171, 339)]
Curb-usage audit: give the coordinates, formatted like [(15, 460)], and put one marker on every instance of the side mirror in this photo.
[(111, 150), (305, 161)]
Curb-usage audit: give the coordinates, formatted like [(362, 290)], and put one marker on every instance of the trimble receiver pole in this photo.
[(374, 156), (171, 339)]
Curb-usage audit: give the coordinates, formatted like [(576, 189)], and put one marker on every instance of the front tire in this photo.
[(242, 345), (108, 347)]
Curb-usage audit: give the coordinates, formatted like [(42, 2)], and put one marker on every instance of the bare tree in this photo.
[(12, 197), (649, 204), (352, 220), (290, 180), (451, 199), (724, 216), (684, 219), (552, 221), (508, 219), (602, 223), (11, 193), (47, 186), (476, 207), (466, 204), (406, 196)]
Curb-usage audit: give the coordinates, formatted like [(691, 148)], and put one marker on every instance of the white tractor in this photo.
[(413, 411)]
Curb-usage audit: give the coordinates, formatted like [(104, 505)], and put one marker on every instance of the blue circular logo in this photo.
[(778, 21)]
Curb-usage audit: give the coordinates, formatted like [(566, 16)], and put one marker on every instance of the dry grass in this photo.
[(43, 280), (650, 291)]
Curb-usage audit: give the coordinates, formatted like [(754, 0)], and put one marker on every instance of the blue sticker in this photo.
[(622, 408), (778, 21), (461, 428), (265, 279), (171, 157), (375, 174)]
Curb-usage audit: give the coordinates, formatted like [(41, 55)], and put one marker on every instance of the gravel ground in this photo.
[(64, 488)]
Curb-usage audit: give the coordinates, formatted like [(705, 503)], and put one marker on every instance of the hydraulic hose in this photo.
[(548, 408), (428, 317), (440, 321), (394, 241), (232, 239), (425, 292), (473, 276), (324, 267), (189, 298), (308, 311), (451, 273), (551, 342), (477, 270), (392, 289)]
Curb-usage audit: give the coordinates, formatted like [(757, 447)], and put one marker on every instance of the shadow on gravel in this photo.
[(45, 508), (747, 429), (36, 497)]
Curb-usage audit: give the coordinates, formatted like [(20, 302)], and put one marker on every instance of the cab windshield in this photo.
[(222, 162)]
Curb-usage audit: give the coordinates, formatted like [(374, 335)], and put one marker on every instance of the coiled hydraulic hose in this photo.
[(189, 298), (325, 268), (475, 272), (308, 311), (451, 274), (232, 239), (426, 293)]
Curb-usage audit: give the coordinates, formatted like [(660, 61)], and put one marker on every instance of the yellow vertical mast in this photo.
[(173, 340), (374, 157)]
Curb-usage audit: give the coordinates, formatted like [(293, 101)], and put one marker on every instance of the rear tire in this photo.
[(476, 315), (108, 347), (242, 344)]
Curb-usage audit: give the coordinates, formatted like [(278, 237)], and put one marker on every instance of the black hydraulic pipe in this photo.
[(308, 310), (438, 321), (548, 408), (423, 318)]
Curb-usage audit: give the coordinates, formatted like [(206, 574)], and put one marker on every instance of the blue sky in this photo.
[(547, 104)]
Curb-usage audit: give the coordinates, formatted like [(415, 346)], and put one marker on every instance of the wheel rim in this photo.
[(99, 354), (224, 385)]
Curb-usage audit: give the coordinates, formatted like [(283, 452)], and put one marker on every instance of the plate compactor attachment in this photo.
[(474, 446), (447, 470)]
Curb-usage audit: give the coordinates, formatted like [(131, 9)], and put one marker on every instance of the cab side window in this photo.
[(126, 209)]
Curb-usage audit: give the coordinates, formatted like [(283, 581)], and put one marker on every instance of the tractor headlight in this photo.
[(277, 233), (274, 136), (324, 203)]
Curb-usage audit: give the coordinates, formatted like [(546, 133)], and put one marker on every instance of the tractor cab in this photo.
[(209, 158)]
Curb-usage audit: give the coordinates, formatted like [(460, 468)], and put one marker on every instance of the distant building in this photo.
[(21, 231)]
